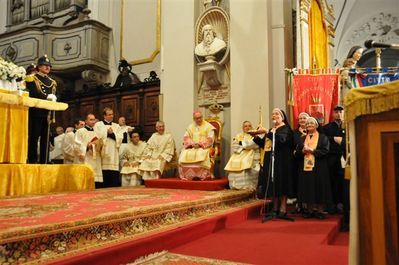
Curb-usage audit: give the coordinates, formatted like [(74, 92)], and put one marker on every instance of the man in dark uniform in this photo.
[(336, 135), (40, 86)]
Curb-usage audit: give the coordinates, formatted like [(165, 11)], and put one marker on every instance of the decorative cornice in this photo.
[(42, 28)]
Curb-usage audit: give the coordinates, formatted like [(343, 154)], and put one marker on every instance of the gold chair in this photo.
[(216, 150)]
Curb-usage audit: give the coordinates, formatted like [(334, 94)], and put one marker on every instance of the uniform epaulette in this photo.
[(29, 78)]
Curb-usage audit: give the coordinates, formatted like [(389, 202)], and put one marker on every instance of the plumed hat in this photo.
[(43, 61)]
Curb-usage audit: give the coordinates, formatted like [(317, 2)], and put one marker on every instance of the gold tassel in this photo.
[(348, 172), (371, 100)]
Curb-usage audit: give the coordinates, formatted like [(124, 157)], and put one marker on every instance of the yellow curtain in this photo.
[(13, 132), (24, 179), (317, 38)]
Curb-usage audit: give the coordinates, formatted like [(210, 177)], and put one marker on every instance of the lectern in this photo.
[(373, 115)]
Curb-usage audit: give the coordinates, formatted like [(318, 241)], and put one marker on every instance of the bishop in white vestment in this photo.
[(195, 162)]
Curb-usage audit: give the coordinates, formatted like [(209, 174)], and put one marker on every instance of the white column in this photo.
[(249, 61), (177, 63), (281, 47), (109, 13), (4, 19)]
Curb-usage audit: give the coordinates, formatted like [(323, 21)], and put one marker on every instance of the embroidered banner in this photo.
[(371, 79), (315, 94)]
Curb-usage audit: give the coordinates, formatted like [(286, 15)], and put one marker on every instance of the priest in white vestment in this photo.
[(131, 158), (88, 145), (112, 139), (159, 151), (243, 166), (69, 142), (195, 162)]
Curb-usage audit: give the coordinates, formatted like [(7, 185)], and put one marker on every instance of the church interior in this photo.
[(199, 132)]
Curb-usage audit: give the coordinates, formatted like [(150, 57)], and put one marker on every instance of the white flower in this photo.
[(10, 71)]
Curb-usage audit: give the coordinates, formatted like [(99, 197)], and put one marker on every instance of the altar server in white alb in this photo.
[(112, 139), (131, 159), (159, 151), (125, 130), (243, 166), (88, 146), (56, 155), (69, 141)]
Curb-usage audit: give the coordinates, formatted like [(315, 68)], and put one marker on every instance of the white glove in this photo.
[(52, 97)]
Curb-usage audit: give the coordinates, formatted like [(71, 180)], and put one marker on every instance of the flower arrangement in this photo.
[(10, 71)]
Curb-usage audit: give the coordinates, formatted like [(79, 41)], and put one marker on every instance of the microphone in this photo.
[(372, 44)]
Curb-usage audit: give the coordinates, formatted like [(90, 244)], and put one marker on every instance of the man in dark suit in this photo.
[(40, 86), (335, 132)]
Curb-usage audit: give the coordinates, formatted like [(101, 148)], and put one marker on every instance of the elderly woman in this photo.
[(313, 184), (298, 133), (281, 186)]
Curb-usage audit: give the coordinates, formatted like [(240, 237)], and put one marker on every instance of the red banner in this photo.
[(315, 94)]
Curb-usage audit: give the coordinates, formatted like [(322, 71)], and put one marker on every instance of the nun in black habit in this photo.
[(282, 185)]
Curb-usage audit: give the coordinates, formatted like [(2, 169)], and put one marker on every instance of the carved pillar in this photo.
[(303, 45), (27, 10), (51, 7), (80, 3), (9, 13), (304, 34)]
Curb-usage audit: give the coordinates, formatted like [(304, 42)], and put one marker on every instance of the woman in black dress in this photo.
[(313, 184), (281, 186), (298, 133)]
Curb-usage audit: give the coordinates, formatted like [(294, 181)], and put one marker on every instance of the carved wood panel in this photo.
[(138, 103), (67, 117), (86, 107), (130, 109), (110, 103), (151, 108)]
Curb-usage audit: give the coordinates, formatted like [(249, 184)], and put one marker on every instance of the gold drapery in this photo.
[(24, 179), (317, 38), (371, 100), (13, 131), (14, 124)]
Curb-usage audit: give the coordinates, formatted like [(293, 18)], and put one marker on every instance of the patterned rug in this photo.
[(50, 226), (167, 258)]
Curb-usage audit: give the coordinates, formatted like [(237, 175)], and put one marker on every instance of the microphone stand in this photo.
[(266, 216)]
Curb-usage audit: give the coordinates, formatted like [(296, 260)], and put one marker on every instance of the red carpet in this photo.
[(274, 242), (54, 225), (129, 251), (177, 183)]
